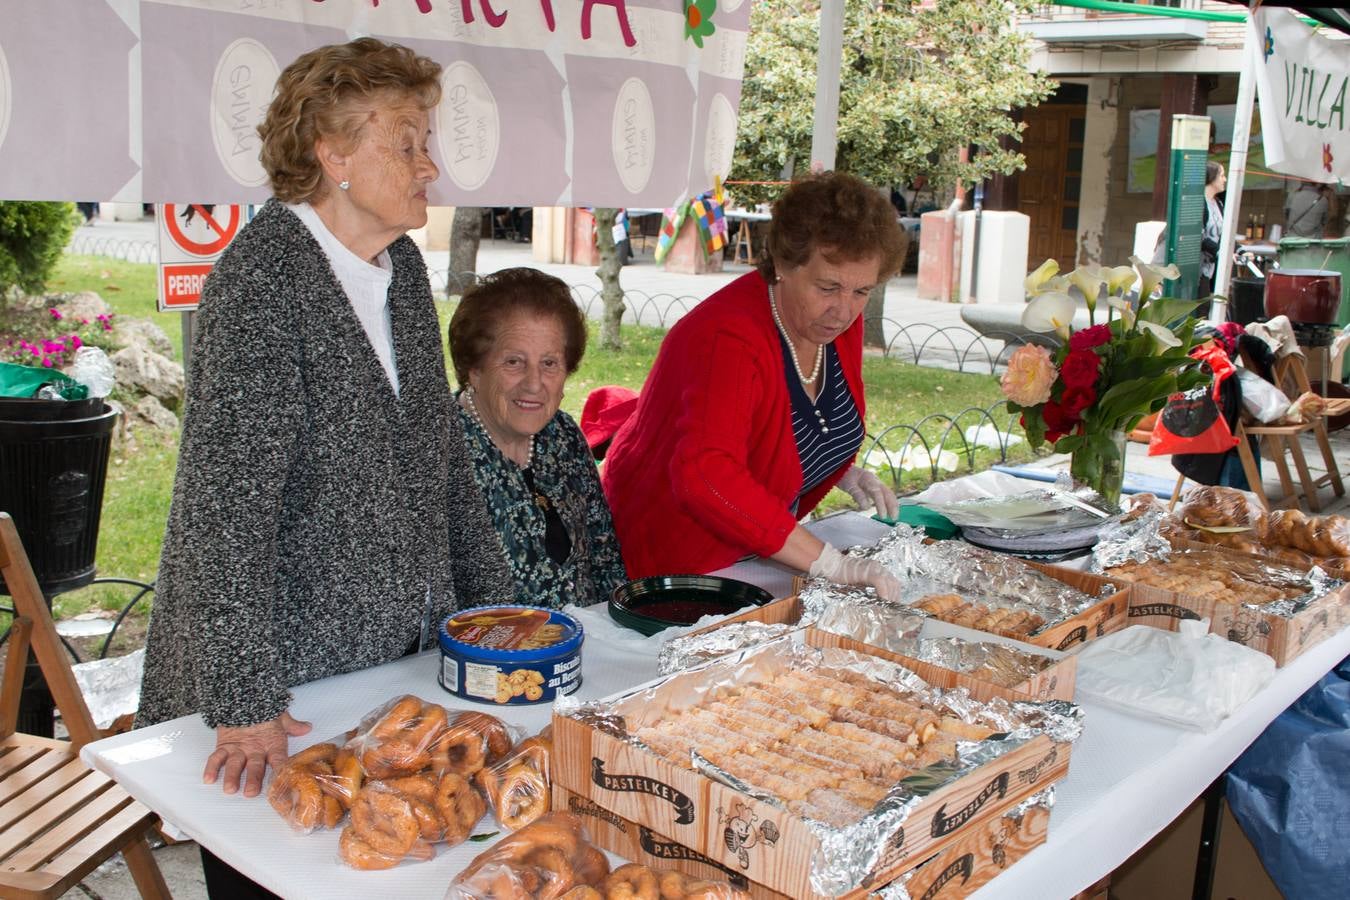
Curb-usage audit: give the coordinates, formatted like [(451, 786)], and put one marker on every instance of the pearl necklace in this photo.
[(820, 348), (472, 409)]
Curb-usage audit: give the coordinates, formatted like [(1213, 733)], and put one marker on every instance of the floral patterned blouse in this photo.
[(564, 472)]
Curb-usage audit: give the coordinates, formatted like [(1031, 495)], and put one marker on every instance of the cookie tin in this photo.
[(510, 655)]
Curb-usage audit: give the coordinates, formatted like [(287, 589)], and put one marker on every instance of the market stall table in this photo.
[(1129, 777)]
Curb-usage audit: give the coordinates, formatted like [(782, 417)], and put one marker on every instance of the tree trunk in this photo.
[(465, 231), (874, 334), (611, 293)]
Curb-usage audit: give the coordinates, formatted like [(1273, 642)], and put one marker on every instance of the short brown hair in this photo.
[(499, 296), (330, 92), (836, 212)]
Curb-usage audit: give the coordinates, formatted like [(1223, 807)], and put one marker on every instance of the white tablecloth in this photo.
[(1129, 777)]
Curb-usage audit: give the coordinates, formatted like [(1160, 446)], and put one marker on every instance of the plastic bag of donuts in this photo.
[(406, 736), (518, 788), (552, 857), (1220, 507), (314, 788), (402, 818)]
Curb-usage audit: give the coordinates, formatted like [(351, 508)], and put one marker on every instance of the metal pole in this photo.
[(1237, 174), (829, 60)]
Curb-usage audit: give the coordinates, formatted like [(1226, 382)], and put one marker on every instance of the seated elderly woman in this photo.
[(754, 407), (514, 340)]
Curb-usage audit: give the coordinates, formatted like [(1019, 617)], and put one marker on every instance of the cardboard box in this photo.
[(1055, 682), (768, 845), (1282, 638), (1101, 618), (983, 851)]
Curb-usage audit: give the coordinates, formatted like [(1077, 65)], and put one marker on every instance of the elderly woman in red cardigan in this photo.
[(754, 407)]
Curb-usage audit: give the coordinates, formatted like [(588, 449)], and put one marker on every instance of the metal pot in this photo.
[(1304, 295)]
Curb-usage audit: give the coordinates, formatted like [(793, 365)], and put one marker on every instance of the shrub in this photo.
[(32, 236)]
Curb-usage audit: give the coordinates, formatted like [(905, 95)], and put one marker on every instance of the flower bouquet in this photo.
[(1086, 395)]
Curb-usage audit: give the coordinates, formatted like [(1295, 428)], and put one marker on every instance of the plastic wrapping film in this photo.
[(692, 650), (1142, 541), (846, 853), (1043, 509), (112, 686), (899, 888)]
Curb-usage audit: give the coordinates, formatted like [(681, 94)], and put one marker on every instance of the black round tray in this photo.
[(649, 605)]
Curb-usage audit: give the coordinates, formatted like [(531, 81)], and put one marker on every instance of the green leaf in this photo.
[(484, 837), (1069, 443), (1167, 310)]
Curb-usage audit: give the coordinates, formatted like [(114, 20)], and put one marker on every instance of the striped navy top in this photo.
[(829, 431)]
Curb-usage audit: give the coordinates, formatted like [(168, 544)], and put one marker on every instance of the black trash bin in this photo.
[(52, 472)]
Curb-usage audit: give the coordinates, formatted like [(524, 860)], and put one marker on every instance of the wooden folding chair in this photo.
[(1281, 441), (59, 819)]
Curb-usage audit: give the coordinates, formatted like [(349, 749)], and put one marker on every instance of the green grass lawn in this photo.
[(140, 476)]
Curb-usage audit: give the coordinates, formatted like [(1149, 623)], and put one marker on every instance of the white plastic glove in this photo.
[(867, 489), (841, 569)]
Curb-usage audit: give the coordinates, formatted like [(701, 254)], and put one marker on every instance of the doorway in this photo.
[(1049, 188)]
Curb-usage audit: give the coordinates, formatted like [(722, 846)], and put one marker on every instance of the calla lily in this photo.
[(1163, 336), (1122, 306), (1119, 279), (1050, 312), (1151, 276), (1089, 281), (1035, 282)]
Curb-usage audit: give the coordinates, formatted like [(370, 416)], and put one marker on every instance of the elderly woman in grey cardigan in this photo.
[(322, 491)]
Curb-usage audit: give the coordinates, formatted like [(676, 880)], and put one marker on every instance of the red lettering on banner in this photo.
[(495, 19), (619, 9)]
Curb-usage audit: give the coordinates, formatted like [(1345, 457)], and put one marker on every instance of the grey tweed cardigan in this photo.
[(318, 520)]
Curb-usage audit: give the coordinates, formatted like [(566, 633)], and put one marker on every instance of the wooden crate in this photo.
[(1055, 682), (765, 843), (1282, 638), (1101, 618), (983, 851)]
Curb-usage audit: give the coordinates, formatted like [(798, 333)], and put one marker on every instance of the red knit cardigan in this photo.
[(705, 470)]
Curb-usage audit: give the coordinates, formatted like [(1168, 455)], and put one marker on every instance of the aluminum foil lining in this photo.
[(846, 854), (1039, 510), (899, 888), (1142, 541), (988, 577), (692, 650)]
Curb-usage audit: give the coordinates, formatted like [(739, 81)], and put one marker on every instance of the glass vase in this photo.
[(1096, 466)]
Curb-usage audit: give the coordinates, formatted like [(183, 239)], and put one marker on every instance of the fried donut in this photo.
[(333, 811), (421, 786), (582, 892), (534, 752), (555, 870), (461, 750), (521, 796), (395, 756), (360, 855), (491, 728), (385, 821), (459, 806), (429, 822), (633, 881), (590, 864), (347, 777), (317, 753), (398, 719), (295, 794), (557, 829)]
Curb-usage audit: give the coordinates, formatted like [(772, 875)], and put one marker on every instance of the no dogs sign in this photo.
[(191, 238)]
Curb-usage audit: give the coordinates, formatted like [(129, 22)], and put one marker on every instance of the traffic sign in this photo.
[(191, 237)]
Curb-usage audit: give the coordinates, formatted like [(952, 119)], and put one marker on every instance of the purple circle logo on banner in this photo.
[(468, 126), (240, 92), (634, 135), (719, 143)]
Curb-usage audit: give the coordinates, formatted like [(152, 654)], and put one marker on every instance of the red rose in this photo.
[(1077, 399), (1080, 369), (1057, 421), (1088, 338)]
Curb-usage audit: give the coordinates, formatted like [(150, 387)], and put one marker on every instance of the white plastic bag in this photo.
[(1188, 678), (94, 370), (1262, 400)]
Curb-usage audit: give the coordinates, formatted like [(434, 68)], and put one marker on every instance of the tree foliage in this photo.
[(32, 237), (917, 84)]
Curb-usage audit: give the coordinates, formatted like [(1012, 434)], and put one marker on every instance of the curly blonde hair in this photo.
[(330, 92)]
